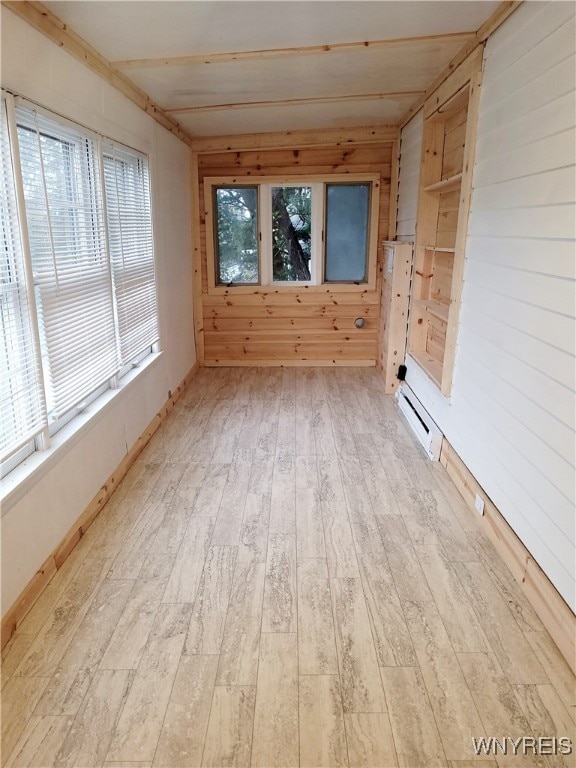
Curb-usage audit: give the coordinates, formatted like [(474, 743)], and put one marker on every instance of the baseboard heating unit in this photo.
[(425, 429)]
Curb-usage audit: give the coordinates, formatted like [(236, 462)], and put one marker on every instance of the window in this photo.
[(131, 249), (77, 286), (280, 232), (291, 234), (22, 412), (347, 228), (236, 234), (64, 210)]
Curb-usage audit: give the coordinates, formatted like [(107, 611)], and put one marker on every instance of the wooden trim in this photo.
[(461, 234), (497, 19), (394, 321), (39, 17), (274, 53), (330, 137), (293, 102), (196, 259), (27, 599), (267, 363), (499, 16), (394, 186), (454, 86), (555, 613), (54, 562)]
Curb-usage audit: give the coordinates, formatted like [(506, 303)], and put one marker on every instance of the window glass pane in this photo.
[(131, 247), (347, 224), (62, 190), (291, 233), (236, 224), (21, 404)]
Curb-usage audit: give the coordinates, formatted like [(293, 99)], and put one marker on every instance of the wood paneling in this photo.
[(297, 325), (394, 321)]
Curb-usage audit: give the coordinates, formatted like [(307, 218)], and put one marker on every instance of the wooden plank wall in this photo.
[(314, 325)]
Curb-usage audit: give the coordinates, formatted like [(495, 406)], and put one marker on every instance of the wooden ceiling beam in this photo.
[(331, 137), (295, 102), (499, 16), (39, 17), (218, 58)]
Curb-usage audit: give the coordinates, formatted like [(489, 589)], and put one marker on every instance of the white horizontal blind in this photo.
[(21, 404), (129, 221), (62, 189)]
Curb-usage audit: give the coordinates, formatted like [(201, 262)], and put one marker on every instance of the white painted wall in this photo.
[(511, 415), (33, 524), (409, 178)]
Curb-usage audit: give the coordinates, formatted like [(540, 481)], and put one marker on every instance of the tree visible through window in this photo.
[(291, 233), (237, 234)]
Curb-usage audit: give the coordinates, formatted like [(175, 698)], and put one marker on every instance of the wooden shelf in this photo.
[(429, 365), (445, 185), (448, 141), (439, 250), (434, 308)]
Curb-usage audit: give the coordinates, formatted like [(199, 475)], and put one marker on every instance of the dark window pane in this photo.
[(236, 234), (347, 225), (291, 233)]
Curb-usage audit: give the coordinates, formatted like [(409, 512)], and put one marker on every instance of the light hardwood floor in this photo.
[(282, 579)]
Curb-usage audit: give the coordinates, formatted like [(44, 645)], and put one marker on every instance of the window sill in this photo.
[(18, 482), (264, 290)]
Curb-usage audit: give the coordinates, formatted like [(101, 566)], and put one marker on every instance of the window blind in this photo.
[(22, 413), (64, 209), (126, 185)]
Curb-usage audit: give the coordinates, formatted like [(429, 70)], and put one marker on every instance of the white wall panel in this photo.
[(34, 521), (511, 413), (409, 177)]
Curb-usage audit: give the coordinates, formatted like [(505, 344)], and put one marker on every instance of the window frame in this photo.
[(265, 183)]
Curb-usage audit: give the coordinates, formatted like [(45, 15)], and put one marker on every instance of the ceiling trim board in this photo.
[(499, 16), (216, 58), (39, 17), (296, 102), (332, 137)]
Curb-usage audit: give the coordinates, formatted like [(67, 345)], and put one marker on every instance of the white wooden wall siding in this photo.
[(409, 178), (34, 524), (511, 417)]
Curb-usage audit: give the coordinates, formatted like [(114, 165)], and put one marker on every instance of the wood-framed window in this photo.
[(291, 232), (77, 272)]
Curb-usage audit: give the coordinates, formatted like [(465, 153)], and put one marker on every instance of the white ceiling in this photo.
[(389, 77)]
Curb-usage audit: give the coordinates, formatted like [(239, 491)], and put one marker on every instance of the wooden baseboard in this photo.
[(554, 612), (289, 363), (36, 585)]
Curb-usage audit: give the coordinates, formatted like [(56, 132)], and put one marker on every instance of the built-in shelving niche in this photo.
[(443, 204)]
